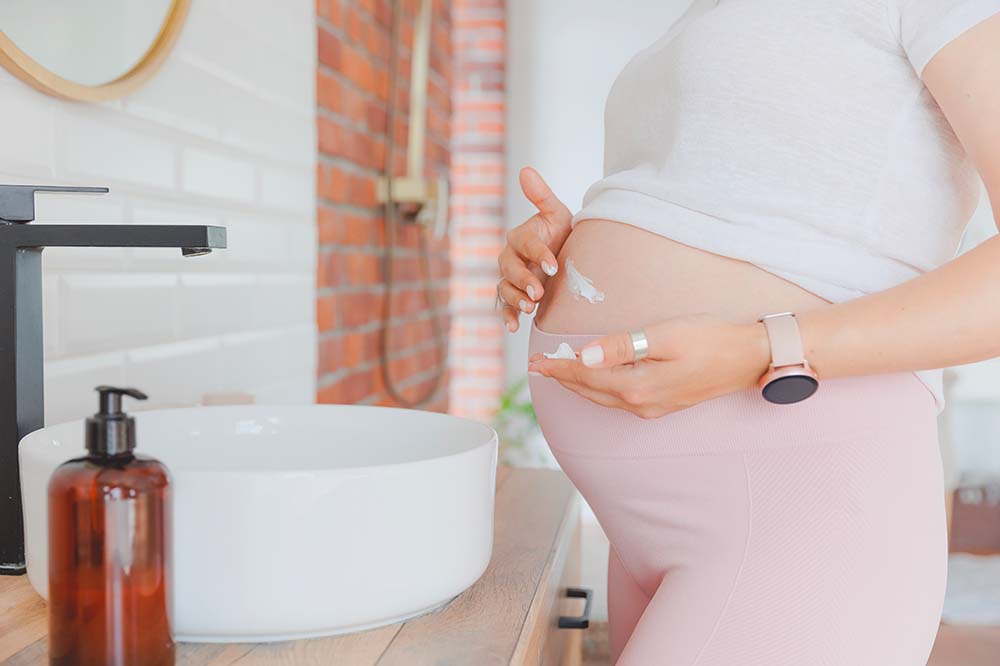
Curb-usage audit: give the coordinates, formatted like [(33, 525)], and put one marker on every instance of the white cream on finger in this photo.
[(563, 351)]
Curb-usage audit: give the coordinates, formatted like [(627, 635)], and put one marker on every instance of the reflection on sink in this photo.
[(292, 522)]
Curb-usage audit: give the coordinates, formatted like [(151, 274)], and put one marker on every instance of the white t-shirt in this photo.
[(796, 135)]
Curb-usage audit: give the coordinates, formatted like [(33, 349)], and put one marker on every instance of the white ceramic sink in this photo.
[(291, 522)]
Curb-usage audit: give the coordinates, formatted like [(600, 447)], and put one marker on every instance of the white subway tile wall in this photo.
[(223, 134)]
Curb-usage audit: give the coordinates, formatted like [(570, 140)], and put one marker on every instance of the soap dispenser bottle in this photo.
[(110, 549)]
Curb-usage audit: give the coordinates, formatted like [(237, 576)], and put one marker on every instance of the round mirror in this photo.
[(88, 50)]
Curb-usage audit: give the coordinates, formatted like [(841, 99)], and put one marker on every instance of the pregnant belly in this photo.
[(647, 278)]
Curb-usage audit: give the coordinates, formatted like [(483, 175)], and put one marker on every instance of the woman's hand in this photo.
[(530, 254), (691, 359)]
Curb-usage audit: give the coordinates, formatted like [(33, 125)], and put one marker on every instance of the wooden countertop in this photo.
[(490, 623)]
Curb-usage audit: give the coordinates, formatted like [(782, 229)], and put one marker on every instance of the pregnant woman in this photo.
[(760, 293)]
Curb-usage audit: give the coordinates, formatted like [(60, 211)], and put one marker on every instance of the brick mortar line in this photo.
[(379, 251), (436, 280), (347, 164), (326, 24), (424, 315), (356, 251), (347, 207), (479, 95), (362, 128), (374, 290), (423, 376), (373, 212), (440, 394), (347, 81), (441, 309), (445, 21), (363, 172), (419, 348), (379, 287), (375, 327), (330, 378), (327, 251), (482, 272), (401, 85)]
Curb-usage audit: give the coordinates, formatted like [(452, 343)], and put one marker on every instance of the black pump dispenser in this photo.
[(111, 432)]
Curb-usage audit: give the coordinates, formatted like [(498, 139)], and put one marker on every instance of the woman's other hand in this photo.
[(691, 359), (529, 257)]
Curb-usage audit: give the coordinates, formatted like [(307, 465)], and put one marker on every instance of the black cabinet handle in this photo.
[(581, 621)]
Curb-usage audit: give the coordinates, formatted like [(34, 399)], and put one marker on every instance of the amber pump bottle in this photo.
[(110, 550)]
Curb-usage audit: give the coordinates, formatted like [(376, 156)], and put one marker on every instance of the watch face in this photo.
[(793, 388)]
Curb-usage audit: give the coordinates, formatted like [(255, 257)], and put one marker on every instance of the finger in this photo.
[(510, 317), (514, 270), (619, 381), (595, 396), (513, 296), (618, 349), (543, 198), (618, 400), (526, 242), (573, 371), (561, 369)]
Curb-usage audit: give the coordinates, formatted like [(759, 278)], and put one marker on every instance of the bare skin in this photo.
[(700, 313)]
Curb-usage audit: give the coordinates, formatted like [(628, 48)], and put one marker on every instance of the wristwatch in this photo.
[(789, 378)]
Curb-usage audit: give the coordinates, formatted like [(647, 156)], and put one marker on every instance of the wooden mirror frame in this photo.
[(31, 72)]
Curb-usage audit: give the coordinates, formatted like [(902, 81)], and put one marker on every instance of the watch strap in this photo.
[(785, 339)]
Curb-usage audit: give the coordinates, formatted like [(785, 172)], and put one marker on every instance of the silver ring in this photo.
[(640, 345)]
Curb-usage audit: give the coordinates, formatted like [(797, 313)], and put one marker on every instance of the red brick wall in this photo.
[(477, 175), (352, 88)]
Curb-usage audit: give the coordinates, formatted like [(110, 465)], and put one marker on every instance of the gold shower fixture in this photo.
[(427, 196)]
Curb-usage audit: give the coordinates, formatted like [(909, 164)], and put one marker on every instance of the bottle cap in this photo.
[(111, 432)]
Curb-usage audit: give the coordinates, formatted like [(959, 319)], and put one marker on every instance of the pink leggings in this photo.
[(745, 533)]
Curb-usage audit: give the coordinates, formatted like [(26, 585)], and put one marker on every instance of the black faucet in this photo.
[(22, 407)]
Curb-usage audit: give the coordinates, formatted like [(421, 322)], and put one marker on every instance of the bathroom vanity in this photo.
[(511, 615)]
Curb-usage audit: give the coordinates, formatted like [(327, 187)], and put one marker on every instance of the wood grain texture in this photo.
[(572, 647), (23, 616), (484, 625), (26, 68), (361, 648), (542, 640), (966, 646)]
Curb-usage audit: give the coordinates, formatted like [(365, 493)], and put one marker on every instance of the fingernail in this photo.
[(511, 326), (531, 292), (524, 305), (549, 269), (592, 356)]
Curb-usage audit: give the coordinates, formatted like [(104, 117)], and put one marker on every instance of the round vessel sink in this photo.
[(300, 521)]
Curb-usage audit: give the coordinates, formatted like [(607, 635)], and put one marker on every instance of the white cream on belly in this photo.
[(580, 285)]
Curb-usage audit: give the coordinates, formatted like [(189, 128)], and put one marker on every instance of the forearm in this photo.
[(948, 316)]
